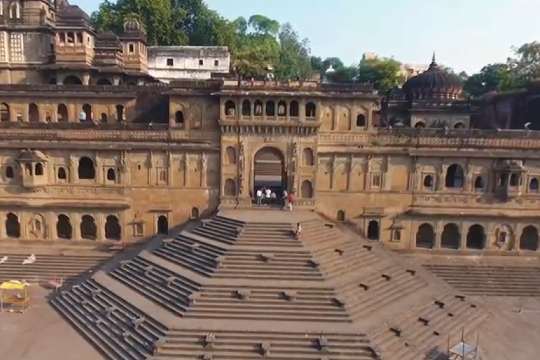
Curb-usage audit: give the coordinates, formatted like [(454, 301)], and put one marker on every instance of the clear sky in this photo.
[(466, 34)]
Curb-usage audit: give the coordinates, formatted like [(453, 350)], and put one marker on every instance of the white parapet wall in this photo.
[(168, 63)]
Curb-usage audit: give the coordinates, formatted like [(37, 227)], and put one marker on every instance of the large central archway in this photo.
[(269, 171)]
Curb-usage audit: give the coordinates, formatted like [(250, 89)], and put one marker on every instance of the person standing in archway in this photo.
[(290, 200), (268, 194), (259, 195), (285, 199)]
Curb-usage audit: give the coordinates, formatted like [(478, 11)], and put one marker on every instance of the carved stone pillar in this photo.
[(50, 226), (463, 240), (185, 168), (204, 170), (333, 172), (441, 178), (170, 171), (3, 215), (76, 226), (439, 228), (100, 224)]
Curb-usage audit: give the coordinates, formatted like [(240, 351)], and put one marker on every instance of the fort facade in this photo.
[(95, 151)]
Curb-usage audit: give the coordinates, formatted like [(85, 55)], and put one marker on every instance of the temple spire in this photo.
[(433, 62)]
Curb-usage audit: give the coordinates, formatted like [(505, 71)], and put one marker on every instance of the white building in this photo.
[(168, 63)]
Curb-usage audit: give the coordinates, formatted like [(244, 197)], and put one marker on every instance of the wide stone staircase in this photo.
[(66, 268), (490, 280), (241, 285)]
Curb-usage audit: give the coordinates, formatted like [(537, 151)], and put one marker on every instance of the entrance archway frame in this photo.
[(281, 149)]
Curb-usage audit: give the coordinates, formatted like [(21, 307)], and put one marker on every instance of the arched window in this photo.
[(230, 109), (459, 125), (373, 230), (163, 225), (451, 237), (72, 80), (307, 189), (476, 238), (62, 174), (13, 228), (533, 185), (113, 230), (104, 118), (64, 230), (515, 180), (195, 213), (120, 113), (62, 113), (282, 108), (308, 157), (230, 187), (258, 108), (361, 120), (86, 169), (4, 112), (104, 81), (479, 183), (111, 175), (270, 108), (33, 113), (419, 125), (39, 169), (294, 110), (15, 10), (340, 215), (179, 118), (9, 172), (28, 169), (311, 110), (88, 228), (455, 176), (231, 155), (246, 108), (425, 237), (86, 114), (428, 182), (529, 239)]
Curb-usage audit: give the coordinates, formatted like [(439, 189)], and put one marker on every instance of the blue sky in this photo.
[(466, 34)]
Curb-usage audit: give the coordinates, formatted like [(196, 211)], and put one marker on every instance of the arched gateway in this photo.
[(269, 171)]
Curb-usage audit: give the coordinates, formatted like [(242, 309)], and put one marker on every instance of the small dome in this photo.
[(133, 25), (434, 83)]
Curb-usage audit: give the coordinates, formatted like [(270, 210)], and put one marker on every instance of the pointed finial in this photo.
[(433, 64)]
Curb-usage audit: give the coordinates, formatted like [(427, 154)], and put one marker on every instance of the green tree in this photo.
[(262, 25), (294, 55), (383, 73), (491, 77), (526, 66)]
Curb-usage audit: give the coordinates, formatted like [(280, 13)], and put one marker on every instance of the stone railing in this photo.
[(101, 135), (418, 138)]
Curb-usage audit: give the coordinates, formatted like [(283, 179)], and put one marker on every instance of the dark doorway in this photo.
[(13, 228), (373, 230), (64, 229), (476, 238), (450, 237), (425, 237), (270, 171), (529, 239), (163, 225), (113, 231), (86, 169), (88, 228)]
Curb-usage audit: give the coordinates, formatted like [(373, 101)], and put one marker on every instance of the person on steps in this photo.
[(298, 231)]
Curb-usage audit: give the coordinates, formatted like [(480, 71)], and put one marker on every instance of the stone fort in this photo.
[(94, 150)]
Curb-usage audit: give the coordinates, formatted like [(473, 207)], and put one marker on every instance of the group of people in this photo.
[(265, 196)]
